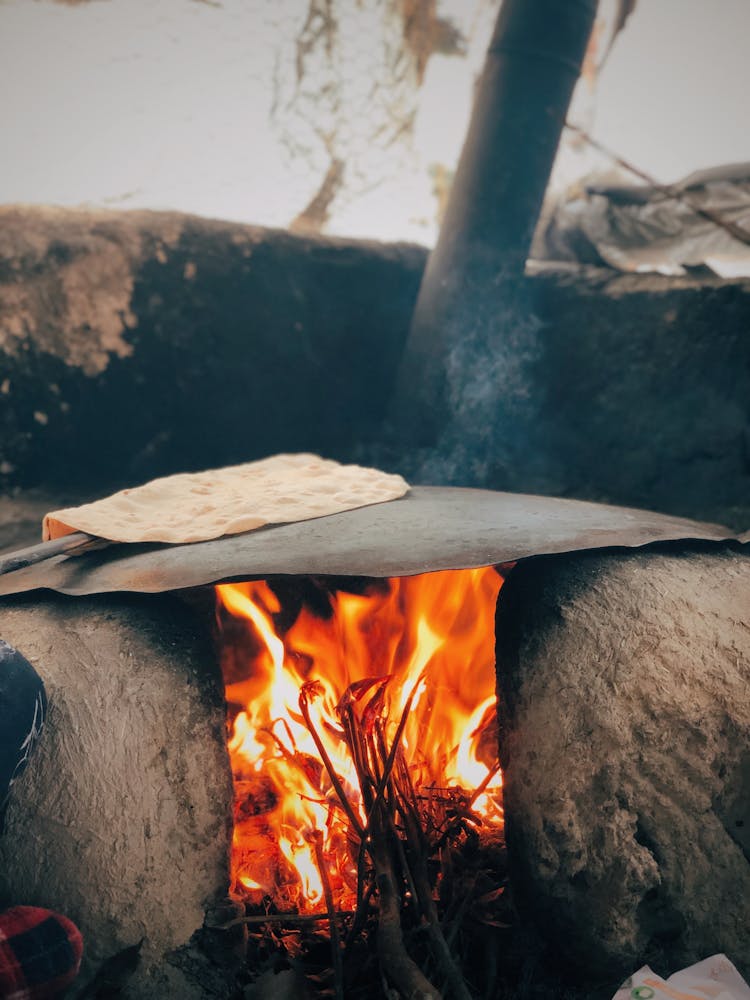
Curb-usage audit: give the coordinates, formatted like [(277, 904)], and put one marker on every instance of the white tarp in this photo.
[(714, 978), (660, 229)]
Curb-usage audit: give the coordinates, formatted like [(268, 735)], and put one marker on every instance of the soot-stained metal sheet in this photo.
[(431, 528)]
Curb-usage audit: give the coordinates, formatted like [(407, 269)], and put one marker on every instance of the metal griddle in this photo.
[(431, 528)]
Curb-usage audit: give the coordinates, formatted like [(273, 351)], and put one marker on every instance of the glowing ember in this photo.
[(429, 638)]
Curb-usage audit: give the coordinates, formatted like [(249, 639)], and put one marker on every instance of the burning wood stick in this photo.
[(417, 841), (393, 836), (338, 971), (369, 741), (308, 691), (395, 961), (483, 786), (283, 918)]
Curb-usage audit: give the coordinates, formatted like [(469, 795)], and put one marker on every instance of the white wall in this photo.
[(165, 104)]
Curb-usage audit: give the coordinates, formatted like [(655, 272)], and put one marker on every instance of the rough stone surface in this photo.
[(624, 687), (633, 390), (21, 519), (643, 391), (136, 344), (122, 819)]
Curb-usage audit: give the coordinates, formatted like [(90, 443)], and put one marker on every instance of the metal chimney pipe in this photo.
[(474, 271)]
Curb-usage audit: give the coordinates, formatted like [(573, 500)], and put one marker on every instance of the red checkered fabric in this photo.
[(40, 953)]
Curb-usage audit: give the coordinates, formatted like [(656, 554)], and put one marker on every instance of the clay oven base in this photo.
[(122, 820), (624, 692), (623, 681)]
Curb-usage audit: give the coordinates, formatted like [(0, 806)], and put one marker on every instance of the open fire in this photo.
[(342, 704)]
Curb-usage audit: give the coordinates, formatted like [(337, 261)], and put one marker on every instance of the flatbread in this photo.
[(193, 507)]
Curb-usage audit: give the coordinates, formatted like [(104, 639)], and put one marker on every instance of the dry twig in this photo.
[(393, 837), (311, 690), (283, 918), (338, 971)]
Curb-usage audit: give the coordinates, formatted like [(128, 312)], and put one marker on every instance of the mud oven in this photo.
[(622, 652)]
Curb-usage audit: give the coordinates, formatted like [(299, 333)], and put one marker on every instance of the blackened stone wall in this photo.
[(643, 388), (140, 344), (624, 735), (137, 344), (123, 818)]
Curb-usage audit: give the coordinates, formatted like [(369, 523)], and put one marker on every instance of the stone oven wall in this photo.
[(136, 344), (122, 820), (623, 686), (625, 726)]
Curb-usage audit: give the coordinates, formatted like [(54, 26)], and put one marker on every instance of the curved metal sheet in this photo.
[(431, 528)]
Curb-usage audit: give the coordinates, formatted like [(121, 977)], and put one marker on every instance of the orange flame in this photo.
[(432, 635)]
